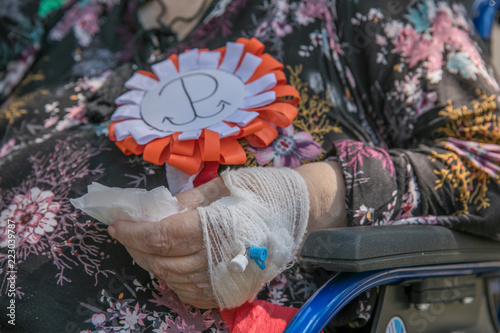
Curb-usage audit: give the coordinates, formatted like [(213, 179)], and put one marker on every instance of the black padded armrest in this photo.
[(357, 249)]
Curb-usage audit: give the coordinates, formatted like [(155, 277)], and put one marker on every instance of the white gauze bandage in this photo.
[(267, 207)]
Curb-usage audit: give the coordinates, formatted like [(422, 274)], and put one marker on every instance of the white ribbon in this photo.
[(130, 97), (188, 61), (242, 118), (232, 57), (260, 85), (141, 82), (189, 135), (164, 69), (248, 66), (259, 100), (140, 131), (209, 59), (128, 111), (224, 129)]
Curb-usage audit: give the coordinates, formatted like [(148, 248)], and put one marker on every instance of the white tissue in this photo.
[(109, 204)]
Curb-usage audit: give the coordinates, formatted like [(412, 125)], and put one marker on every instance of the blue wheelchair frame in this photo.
[(341, 289)]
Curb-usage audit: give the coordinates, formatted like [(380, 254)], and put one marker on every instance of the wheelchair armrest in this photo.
[(359, 249)]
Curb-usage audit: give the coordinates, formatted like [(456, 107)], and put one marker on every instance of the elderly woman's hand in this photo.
[(173, 248)]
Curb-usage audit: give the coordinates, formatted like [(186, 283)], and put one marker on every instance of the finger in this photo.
[(200, 279), (199, 304), (187, 269), (202, 195), (191, 290), (193, 295), (177, 235)]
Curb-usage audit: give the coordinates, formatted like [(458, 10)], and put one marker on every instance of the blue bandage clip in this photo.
[(259, 255)]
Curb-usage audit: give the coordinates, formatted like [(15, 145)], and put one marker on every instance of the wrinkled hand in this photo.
[(172, 249)]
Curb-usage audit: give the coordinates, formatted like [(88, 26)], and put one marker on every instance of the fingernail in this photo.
[(111, 231)]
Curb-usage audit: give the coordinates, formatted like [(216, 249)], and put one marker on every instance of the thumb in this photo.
[(202, 195)]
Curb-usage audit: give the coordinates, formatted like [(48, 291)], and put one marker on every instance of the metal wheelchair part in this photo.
[(341, 289), (451, 311), (367, 257)]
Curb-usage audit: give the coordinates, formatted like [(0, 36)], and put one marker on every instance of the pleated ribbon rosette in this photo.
[(193, 107)]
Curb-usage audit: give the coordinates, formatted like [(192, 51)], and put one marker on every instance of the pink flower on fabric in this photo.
[(407, 43), (91, 84), (83, 19), (426, 42), (261, 29), (49, 122), (426, 102), (86, 27), (33, 214), (380, 40), (76, 112), (415, 49), (288, 149), (7, 148), (281, 28)]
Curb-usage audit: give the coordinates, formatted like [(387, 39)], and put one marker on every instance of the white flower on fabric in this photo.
[(131, 317), (435, 76), (381, 58), (51, 107), (375, 14), (393, 29), (365, 213)]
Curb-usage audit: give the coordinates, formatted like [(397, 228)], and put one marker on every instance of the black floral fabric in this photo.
[(401, 94)]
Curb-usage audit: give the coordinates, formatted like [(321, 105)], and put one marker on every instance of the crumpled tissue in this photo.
[(109, 204)]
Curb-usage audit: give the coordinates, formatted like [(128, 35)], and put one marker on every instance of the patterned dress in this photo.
[(401, 94)]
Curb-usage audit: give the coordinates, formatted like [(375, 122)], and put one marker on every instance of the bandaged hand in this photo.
[(173, 249), (265, 207)]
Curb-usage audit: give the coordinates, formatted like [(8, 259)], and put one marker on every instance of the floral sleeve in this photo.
[(427, 87)]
